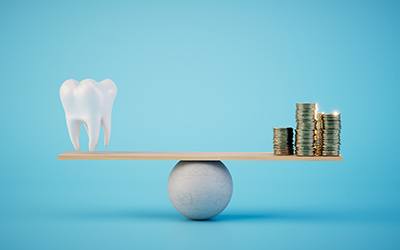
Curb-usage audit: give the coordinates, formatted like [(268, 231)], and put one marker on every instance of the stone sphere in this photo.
[(200, 190)]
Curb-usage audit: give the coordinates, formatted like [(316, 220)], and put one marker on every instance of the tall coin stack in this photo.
[(318, 135), (305, 130), (283, 141), (331, 124)]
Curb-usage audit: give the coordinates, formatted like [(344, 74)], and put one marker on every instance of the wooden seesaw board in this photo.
[(191, 156)]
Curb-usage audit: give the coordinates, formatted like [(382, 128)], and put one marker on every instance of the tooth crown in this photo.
[(89, 103)]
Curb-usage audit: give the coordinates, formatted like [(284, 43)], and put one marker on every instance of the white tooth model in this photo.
[(89, 103)]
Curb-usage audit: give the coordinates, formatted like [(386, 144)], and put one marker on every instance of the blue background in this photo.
[(200, 76)]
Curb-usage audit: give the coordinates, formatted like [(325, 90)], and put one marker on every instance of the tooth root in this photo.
[(93, 131), (106, 122), (73, 131)]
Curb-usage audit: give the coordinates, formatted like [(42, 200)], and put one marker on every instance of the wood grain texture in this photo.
[(190, 156)]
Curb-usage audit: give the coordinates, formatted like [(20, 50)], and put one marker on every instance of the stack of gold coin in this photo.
[(331, 124), (305, 130), (283, 141), (318, 135)]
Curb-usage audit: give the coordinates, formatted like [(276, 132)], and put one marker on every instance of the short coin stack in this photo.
[(305, 130), (283, 141), (331, 124)]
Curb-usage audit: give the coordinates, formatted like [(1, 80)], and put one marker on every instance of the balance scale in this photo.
[(199, 160)]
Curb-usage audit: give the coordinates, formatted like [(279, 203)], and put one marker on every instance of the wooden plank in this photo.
[(191, 156)]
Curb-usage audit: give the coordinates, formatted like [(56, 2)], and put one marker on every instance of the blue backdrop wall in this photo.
[(200, 76)]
